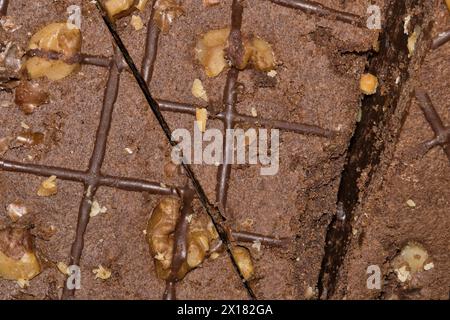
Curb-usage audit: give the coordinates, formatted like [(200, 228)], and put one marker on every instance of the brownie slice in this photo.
[(319, 63)]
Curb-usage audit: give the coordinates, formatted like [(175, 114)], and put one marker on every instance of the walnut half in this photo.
[(59, 38)]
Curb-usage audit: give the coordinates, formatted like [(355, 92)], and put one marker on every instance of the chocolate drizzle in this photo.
[(441, 39), (442, 133), (3, 7), (99, 61), (312, 7), (180, 244)]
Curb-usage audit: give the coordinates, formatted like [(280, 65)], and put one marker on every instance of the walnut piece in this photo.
[(102, 273), (412, 260), (141, 5), (117, 7), (201, 114), (210, 52), (244, 262), (137, 23), (198, 90), (263, 57), (166, 11), (160, 237), (208, 3), (48, 187), (18, 260), (31, 138), (368, 84), (16, 210), (60, 38), (29, 96), (63, 268)]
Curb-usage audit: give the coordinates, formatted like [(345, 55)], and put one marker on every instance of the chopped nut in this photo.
[(170, 169), (141, 5), (208, 3), (22, 283), (412, 40), (210, 51), (62, 38), (137, 23), (117, 7), (4, 145), (30, 138), (406, 23), (29, 96), (16, 210), (415, 256), (160, 256), (102, 273), (263, 57), (18, 260), (428, 266), (244, 262), (201, 115), (254, 112), (96, 209), (198, 246), (63, 268), (160, 236), (272, 73), (214, 255), (410, 261), (403, 274), (411, 203), (160, 229), (368, 84), (198, 91), (166, 11), (24, 125), (257, 245), (48, 187), (128, 150)]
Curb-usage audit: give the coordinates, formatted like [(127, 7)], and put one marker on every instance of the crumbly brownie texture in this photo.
[(320, 63)]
